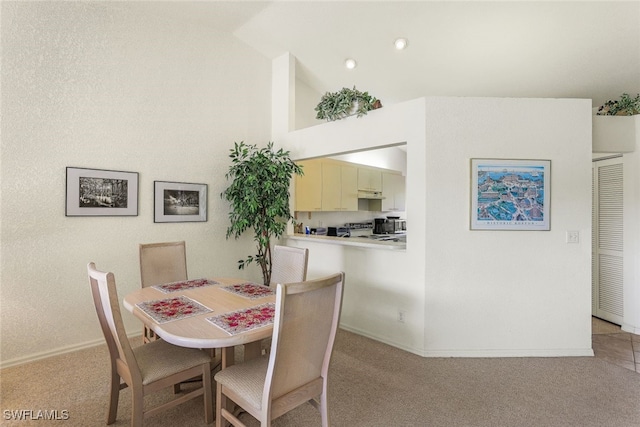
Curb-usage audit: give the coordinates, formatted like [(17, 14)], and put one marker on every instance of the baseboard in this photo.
[(383, 340), (56, 352), (631, 329), (561, 352), (570, 352)]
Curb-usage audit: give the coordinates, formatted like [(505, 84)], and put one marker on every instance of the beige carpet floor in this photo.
[(371, 384)]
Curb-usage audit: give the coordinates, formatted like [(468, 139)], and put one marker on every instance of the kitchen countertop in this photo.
[(351, 241)]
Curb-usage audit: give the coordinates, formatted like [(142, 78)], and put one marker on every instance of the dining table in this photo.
[(218, 313)]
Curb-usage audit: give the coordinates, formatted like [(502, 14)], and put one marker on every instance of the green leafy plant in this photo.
[(338, 105), (625, 106), (259, 197)]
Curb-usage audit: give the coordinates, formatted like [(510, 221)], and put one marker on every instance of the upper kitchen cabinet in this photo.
[(369, 180), (339, 189), (393, 189), (330, 185), (309, 187)]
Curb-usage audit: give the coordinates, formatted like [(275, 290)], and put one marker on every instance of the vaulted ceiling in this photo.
[(545, 49)]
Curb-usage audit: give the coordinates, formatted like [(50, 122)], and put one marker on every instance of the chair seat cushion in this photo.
[(246, 379), (159, 359)]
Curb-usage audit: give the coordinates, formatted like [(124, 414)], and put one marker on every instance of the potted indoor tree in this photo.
[(259, 198), (345, 102)]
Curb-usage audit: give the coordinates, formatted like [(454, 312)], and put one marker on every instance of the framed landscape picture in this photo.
[(510, 194), (96, 192), (179, 202)]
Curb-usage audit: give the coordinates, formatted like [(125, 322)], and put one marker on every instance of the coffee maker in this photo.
[(382, 226)]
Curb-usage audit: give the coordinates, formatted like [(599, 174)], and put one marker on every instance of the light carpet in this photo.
[(371, 384)]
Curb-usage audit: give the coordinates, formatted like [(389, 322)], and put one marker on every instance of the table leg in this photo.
[(252, 350), (228, 356)]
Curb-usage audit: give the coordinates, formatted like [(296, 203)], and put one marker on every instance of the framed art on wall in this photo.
[(97, 192), (510, 194), (179, 202)]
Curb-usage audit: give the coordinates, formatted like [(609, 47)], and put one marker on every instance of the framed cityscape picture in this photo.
[(179, 202), (96, 192), (510, 194)]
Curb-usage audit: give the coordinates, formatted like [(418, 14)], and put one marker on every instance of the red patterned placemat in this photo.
[(166, 310), (185, 285), (249, 290), (245, 320)]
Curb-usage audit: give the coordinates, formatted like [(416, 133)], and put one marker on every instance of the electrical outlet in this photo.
[(401, 315), (573, 236)]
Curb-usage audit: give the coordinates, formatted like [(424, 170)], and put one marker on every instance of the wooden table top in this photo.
[(197, 331)]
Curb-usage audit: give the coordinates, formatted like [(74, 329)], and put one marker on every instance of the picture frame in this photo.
[(179, 202), (510, 194), (99, 192)]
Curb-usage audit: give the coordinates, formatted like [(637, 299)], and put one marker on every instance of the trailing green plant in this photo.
[(259, 198), (625, 106), (338, 105)]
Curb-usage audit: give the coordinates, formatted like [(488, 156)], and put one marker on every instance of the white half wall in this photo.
[(470, 293), (378, 282)]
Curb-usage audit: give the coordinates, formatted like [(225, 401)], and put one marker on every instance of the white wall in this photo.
[(470, 293), (103, 85), (621, 135), (394, 158), (306, 100), (520, 293), (631, 226)]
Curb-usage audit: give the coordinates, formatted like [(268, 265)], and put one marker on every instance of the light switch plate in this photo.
[(573, 236)]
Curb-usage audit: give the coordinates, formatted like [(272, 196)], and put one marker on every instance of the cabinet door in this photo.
[(331, 187), (339, 187), (375, 180), (400, 196), (309, 187), (369, 180), (393, 189), (349, 188)]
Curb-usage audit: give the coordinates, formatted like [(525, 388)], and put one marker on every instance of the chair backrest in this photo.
[(288, 264), (305, 324), (105, 298), (162, 263)]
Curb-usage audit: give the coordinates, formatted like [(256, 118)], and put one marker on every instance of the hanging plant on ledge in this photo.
[(344, 103), (625, 106)]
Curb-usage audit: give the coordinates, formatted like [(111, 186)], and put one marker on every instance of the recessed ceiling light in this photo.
[(350, 63), (401, 43)]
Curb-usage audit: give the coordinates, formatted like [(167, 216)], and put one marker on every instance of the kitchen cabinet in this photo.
[(393, 189), (339, 189), (330, 185), (326, 186), (309, 187), (369, 180)]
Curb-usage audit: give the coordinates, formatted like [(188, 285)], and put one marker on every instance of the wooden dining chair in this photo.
[(288, 264), (161, 263), (147, 368), (295, 371)]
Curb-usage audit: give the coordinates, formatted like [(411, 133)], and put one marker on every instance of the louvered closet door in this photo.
[(607, 240)]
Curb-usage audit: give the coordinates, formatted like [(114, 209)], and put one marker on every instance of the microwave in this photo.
[(389, 226)]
